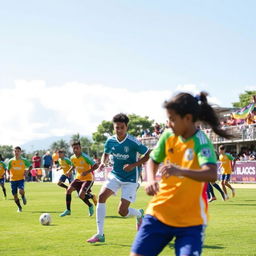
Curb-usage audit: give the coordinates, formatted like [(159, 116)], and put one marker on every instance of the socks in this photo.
[(86, 201), (68, 201), (133, 212), (4, 190), (100, 216), (63, 186), (17, 201)]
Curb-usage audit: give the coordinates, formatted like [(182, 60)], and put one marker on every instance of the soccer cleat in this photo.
[(24, 200), (226, 197), (212, 199), (94, 199), (19, 210), (66, 212), (139, 219), (91, 210), (96, 238), (233, 192)]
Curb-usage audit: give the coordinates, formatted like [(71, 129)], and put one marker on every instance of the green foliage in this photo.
[(6, 151), (104, 130), (244, 99), (60, 144), (231, 229)]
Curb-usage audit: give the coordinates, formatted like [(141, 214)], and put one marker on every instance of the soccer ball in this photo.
[(45, 219)]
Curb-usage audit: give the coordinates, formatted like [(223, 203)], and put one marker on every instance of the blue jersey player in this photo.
[(124, 150)]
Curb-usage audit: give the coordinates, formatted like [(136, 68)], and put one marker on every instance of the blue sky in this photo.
[(138, 46)]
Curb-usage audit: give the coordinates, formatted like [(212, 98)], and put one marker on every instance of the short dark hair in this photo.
[(61, 151), (122, 118), (18, 147), (222, 147), (75, 143)]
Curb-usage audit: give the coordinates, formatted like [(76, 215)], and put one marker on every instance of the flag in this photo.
[(244, 112)]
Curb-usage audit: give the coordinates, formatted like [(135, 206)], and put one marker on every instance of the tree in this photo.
[(60, 144), (6, 151), (244, 99), (104, 130)]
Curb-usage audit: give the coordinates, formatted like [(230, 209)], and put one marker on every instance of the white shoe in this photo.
[(19, 210)]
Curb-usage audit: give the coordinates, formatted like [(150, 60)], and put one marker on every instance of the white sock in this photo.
[(133, 212), (100, 216)]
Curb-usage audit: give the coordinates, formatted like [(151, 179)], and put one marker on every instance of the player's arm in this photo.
[(93, 168), (129, 167), (70, 170), (103, 162), (207, 173), (152, 186)]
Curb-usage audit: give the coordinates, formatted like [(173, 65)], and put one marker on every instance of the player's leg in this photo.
[(72, 187), (105, 193), (62, 181), (210, 193), (3, 187), (14, 187), (215, 185), (227, 184), (189, 240), (83, 194), (22, 191), (152, 237), (223, 179), (128, 196)]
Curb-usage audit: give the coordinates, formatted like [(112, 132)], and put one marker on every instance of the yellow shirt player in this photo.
[(227, 164), (64, 164), (2, 174), (179, 207), (84, 166), (17, 169)]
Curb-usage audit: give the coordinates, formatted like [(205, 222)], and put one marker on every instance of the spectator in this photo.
[(36, 161), (47, 159)]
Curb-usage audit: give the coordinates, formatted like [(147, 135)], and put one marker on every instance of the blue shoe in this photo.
[(66, 212), (139, 219), (91, 211)]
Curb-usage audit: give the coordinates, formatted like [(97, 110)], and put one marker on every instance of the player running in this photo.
[(179, 206), (84, 166), (2, 175), (125, 174), (64, 164), (17, 171)]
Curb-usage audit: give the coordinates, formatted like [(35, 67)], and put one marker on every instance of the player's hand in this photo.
[(152, 188), (128, 167), (170, 170)]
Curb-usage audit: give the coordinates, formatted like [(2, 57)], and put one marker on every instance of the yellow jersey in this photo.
[(181, 201), (81, 164), (2, 169), (65, 164), (17, 168), (226, 163)]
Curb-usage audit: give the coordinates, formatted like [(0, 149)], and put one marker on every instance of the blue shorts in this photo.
[(153, 236), (64, 177), (225, 177), (2, 181), (17, 184)]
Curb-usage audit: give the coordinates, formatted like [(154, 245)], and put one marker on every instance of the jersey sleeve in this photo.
[(230, 157), (107, 148), (68, 161), (9, 166), (206, 154), (158, 154), (4, 165), (26, 162), (141, 148), (88, 159)]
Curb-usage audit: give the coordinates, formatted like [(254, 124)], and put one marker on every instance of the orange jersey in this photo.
[(81, 164), (181, 201), (17, 168)]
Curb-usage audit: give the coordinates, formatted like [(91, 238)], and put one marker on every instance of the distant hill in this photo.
[(43, 143)]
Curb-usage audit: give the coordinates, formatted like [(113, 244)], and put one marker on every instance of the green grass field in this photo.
[(231, 229)]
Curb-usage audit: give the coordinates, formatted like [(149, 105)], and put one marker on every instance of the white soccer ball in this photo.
[(45, 219)]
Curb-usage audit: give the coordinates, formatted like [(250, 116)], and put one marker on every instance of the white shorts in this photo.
[(128, 189)]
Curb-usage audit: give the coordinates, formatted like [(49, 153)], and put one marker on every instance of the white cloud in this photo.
[(31, 110)]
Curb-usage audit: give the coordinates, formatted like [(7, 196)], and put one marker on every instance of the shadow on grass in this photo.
[(111, 244), (239, 204), (115, 217), (215, 247), (44, 211)]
